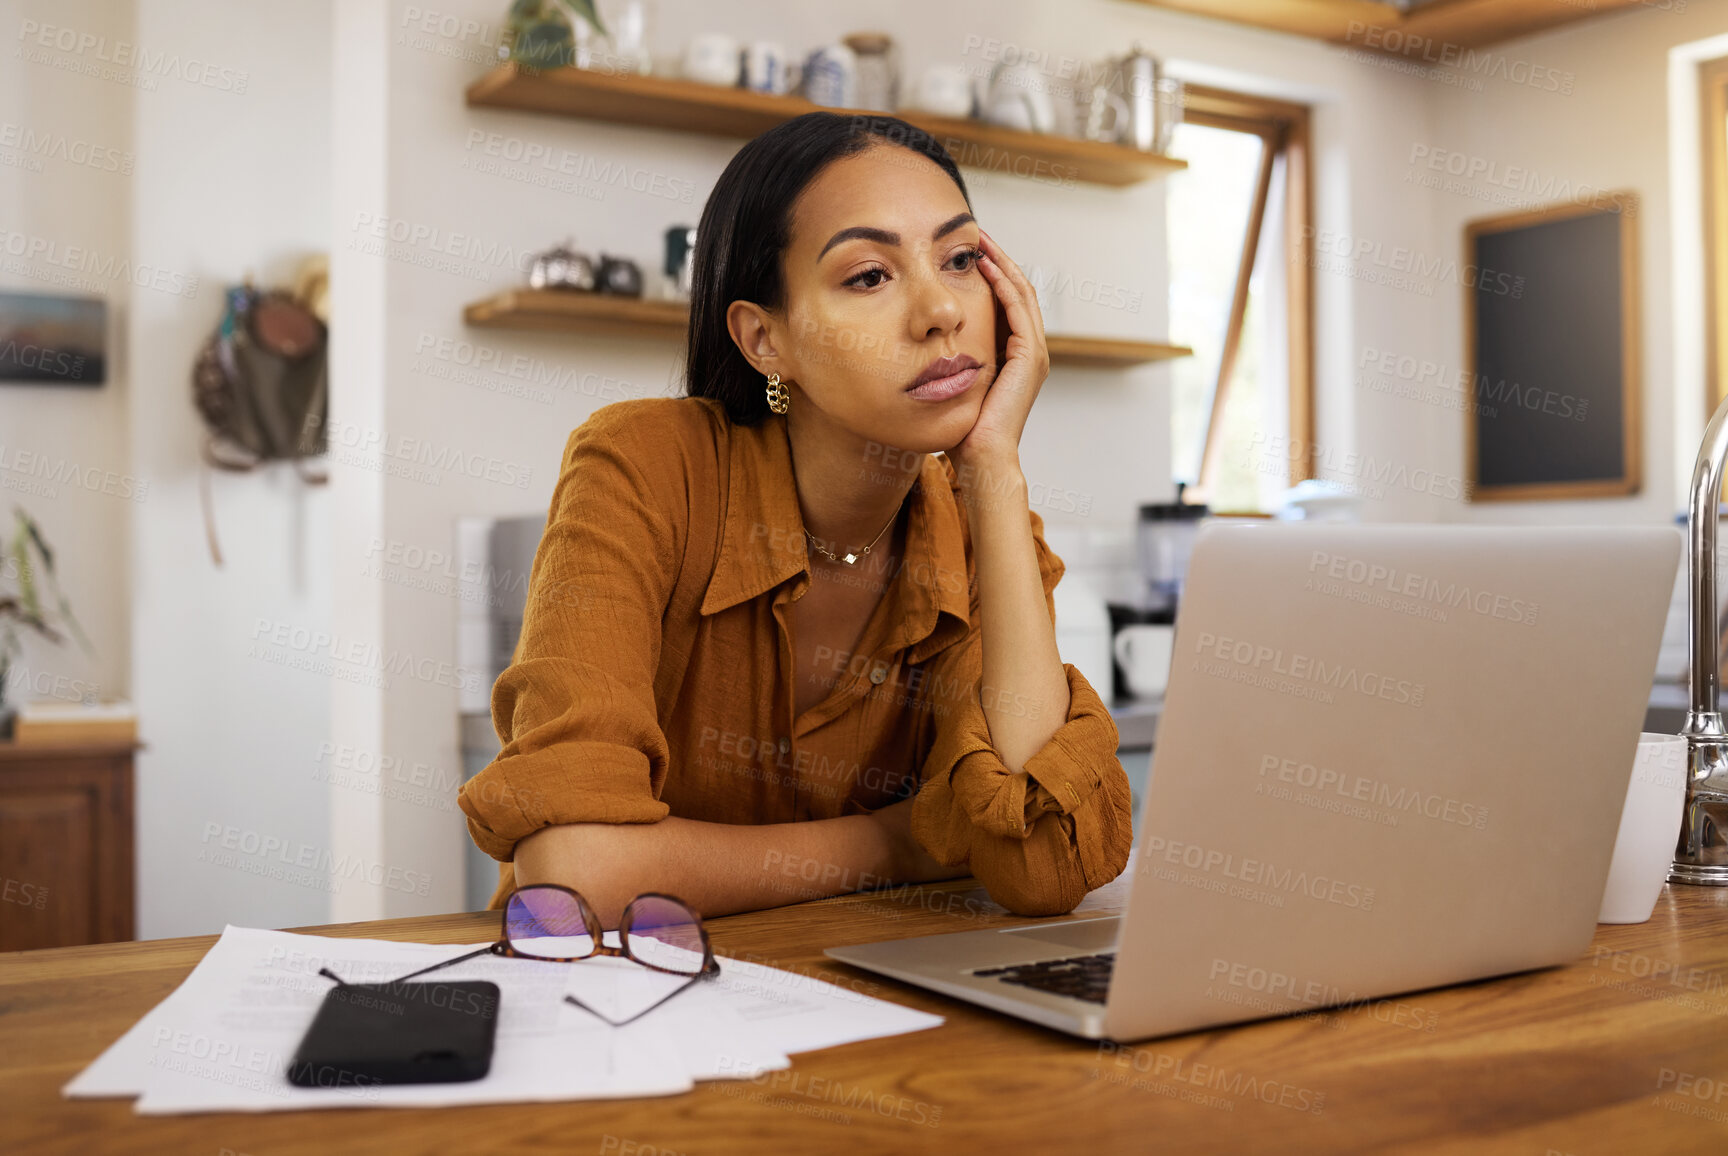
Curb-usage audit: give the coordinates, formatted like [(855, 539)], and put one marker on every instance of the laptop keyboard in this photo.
[(1084, 977)]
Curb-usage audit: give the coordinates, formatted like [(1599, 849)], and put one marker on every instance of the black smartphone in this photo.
[(398, 1033)]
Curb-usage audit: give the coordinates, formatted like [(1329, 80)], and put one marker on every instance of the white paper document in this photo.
[(224, 1039)]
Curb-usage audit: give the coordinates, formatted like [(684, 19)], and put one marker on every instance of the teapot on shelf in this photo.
[(562, 267), (1154, 101)]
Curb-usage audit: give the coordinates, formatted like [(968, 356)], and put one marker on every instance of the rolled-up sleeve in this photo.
[(575, 709), (1038, 839)]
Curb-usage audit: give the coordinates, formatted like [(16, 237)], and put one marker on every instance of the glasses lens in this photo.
[(547, 922), (665, 933)]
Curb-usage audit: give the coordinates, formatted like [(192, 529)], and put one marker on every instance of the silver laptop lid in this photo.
[(1391, 757)]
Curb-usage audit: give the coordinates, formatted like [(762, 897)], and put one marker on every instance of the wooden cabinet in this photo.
[(66, 864)]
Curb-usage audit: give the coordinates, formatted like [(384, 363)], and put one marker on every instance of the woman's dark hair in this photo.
[(746, 226)]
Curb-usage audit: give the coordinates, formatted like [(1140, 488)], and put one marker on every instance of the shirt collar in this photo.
[(763, 543)]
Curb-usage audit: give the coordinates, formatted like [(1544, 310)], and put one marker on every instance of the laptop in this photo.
[(1390, 758)]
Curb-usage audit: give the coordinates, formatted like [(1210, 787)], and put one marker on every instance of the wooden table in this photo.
[(1625, 1051)]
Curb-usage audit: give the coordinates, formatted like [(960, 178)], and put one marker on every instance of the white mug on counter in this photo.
[(1144, 651), (1649, 830)]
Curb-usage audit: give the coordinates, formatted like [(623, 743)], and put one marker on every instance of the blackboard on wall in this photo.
[(1551, 342)]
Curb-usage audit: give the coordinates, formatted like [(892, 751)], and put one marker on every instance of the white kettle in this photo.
[(1017, 96), (1083, 631)]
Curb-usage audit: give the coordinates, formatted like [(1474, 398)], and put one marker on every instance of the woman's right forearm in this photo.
[(722, 868)]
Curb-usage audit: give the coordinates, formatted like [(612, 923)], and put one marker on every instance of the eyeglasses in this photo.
[(549, 922)]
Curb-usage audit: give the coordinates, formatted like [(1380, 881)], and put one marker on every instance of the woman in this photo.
[(774, 648)]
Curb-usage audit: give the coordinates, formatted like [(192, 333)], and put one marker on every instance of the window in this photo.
[(1241, 296)]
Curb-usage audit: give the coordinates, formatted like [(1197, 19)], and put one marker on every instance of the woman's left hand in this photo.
[(1023, 363)]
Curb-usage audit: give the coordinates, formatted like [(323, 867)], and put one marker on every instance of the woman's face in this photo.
[(882, 284)]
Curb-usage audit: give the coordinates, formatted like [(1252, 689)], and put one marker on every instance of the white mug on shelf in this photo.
[(1649, 830), (767, 68), (1098, 114), (1144, 651), (946, 90), (712, 58), (829, 76)]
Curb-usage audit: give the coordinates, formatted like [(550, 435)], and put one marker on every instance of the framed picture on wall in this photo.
[(1551, 339), (49, 340)]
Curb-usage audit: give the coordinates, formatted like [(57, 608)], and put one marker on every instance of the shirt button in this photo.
[(783, 745), (878, 673)]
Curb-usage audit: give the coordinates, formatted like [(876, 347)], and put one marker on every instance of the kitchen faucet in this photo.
[(1701, 855)]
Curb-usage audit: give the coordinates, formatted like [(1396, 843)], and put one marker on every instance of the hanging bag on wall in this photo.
[(260, 384)]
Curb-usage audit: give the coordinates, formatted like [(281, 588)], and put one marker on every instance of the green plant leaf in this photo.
[(9, 648), (23, 571), (27, 607), (35, 532), (586, 10), (11, 609)]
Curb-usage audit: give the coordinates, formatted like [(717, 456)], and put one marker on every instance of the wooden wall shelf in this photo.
[(1109, 352), (568, 311), (1429, 33), (688, 106)]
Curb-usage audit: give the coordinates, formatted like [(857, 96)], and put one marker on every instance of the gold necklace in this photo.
[(852, 558)]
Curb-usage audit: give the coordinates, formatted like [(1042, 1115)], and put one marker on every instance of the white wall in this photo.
[(1610, 133), (353, 125), (66, 161), (227, 182)]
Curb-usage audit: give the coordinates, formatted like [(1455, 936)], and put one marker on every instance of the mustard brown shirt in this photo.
[(654, 673)]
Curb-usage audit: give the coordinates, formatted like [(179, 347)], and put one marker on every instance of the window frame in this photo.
[(1286, 132)]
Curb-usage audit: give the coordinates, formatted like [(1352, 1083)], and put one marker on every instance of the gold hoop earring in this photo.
[(778, 397)]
